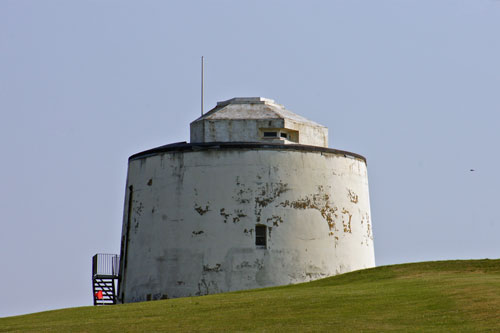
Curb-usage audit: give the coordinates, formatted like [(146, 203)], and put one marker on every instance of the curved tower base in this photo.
[(216, 217)]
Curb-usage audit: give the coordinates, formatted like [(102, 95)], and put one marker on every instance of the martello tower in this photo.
[(255, 199)]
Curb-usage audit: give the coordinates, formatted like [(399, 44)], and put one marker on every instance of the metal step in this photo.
[(106, 287)]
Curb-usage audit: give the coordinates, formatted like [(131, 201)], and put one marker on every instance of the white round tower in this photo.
[(256, 199)]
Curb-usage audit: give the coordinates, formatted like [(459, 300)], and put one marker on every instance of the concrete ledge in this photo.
[(187, 147)]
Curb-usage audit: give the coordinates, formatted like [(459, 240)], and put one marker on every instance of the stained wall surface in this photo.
[(190, 219)]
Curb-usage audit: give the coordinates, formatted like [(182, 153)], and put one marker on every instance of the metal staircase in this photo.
[(104, 278)]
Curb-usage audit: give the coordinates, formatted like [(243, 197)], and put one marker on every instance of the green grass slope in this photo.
[(446, 296)]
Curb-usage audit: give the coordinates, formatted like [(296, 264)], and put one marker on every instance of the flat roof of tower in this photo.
[(248, 100)]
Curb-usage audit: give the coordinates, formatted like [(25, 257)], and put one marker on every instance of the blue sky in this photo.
[(414, 86)]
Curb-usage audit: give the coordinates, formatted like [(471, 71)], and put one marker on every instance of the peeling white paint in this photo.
[(192, 229)]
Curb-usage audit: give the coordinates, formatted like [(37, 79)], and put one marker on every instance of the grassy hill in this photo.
[(446, 296)]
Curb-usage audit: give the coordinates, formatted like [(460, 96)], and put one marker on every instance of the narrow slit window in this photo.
[(284, 135), (270, 134), (261, 236)]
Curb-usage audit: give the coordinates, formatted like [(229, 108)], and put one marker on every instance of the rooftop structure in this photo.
[(256, 119)]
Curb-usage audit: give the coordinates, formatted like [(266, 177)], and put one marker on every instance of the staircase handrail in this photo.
[(105, 264)]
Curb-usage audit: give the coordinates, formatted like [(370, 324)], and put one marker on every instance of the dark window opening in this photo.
[(260, 235), (284, 135), (270, 134)]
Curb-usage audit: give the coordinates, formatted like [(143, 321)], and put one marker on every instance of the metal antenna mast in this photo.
[(202, 88)]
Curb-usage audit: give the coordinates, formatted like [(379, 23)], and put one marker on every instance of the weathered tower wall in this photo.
[(191, 213)]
